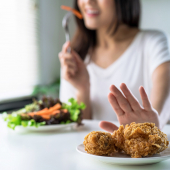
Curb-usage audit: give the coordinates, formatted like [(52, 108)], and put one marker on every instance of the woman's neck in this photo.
[(106, 40)]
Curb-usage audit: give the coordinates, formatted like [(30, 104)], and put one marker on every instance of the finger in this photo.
[(67, 58), (115, 105), (69, 71), (70, 63), (108, 126), (70, 57), (145, 101), (77, 57), (65, 46), (131, 99), (122, 101), (66, 55), (60, 54)]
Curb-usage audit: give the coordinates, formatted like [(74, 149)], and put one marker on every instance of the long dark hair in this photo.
[(127, 12)]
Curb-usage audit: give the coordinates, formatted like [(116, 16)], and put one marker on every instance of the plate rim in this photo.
[(45, 128), (52, 125), (107, 157)]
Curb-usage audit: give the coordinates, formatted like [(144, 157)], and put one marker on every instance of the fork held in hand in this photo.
[(65, 23)]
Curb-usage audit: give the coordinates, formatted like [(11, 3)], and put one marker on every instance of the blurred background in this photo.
[(31, 36)]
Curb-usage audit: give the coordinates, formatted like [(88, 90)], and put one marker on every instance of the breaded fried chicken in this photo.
[(99, 143), (140, 140), (118, 138)]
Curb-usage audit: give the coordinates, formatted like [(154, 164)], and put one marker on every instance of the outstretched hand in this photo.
[(128, 109)]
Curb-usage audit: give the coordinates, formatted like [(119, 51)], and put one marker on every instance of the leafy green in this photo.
[(32, 122), (73, 114), (15, 119), (67, 122), (49, 89), (33, 107), (74, 108)]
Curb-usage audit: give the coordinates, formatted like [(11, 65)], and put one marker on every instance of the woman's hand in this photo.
[(128, 108), (74, 69)]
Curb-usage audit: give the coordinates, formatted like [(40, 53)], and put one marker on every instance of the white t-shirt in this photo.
[(134, 67)]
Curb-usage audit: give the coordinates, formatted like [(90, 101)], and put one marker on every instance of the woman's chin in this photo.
[(91, 26)]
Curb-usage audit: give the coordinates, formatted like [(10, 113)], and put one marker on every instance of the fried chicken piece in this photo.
[(140, 140), (118, 138), (99, 143)]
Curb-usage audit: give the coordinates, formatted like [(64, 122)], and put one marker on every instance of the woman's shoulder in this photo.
[(153, 35), (152, 39)]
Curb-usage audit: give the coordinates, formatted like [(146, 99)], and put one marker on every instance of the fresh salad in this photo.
[(47, 111)]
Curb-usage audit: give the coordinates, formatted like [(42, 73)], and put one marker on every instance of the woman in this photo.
[(109, 48)]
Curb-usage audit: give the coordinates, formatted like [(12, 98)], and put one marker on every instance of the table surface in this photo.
[(56, 150)]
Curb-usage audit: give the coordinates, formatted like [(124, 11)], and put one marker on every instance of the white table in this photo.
[(56, 151)]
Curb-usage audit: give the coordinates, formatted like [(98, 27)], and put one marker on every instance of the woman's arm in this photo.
[(84, 97), (161, 86), (75, 76), (128, 109)]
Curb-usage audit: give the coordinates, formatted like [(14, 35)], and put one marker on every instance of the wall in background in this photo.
[(155, 15), (51, 37)]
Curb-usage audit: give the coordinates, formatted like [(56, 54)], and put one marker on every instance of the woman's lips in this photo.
[(92, 12)]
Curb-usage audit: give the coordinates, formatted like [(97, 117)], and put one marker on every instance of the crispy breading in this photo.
[(118, 138), (140, 140), (137, 140), (99, 143)]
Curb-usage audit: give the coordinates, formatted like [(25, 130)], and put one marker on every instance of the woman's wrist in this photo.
[(84, 90), (84, 96), (83, 93)]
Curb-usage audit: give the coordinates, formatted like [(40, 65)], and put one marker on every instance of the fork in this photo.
[(65, 23)]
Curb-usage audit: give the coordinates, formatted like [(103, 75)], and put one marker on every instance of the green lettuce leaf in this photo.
[(15, 119), (74, 108), (31, 122)]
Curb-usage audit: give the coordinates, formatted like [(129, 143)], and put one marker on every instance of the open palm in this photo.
[(128, 109)]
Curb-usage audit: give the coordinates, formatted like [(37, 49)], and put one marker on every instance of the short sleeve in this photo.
[(67, 91), (159, 50)]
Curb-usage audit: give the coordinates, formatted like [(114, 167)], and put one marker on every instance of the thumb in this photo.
[(65, 46), (77, 57), (108, 126)]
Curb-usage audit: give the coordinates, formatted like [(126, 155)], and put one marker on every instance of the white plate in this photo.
[(123, 159), (46, 127)]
